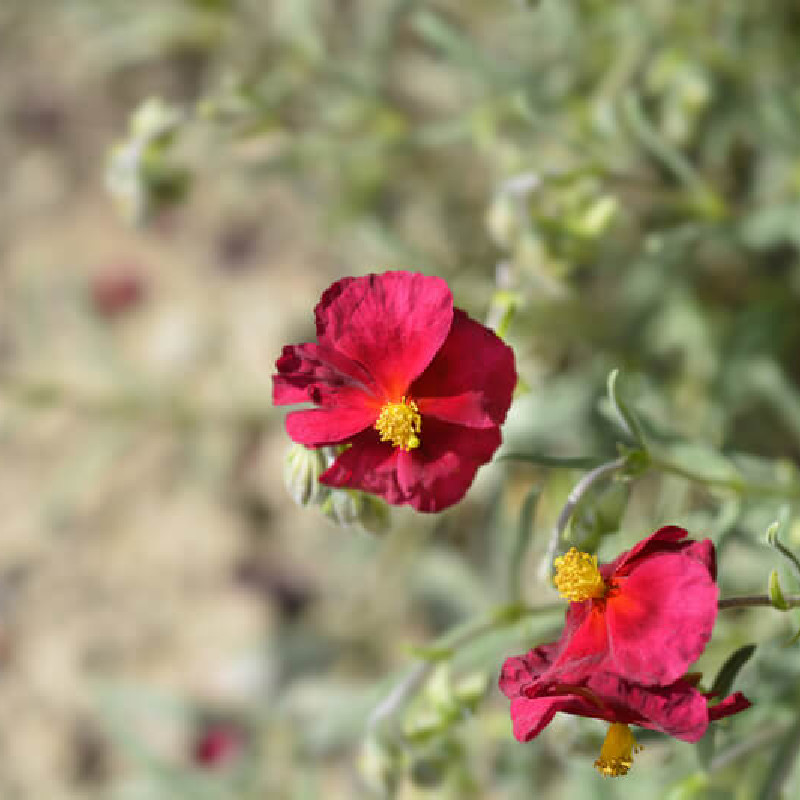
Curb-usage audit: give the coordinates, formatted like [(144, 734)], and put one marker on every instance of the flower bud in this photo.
[(471, 689), (154, 119), (503, 220), (596, 219), (379, 766), (342, 506), (776, 595), (301, 470), (138, 175)]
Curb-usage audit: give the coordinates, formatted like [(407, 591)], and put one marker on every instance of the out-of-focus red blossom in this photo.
[(218, 744), (646, 616), (117, 291), (538, 691), (416, 388)]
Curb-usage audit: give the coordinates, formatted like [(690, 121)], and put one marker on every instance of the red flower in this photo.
[(645, 616), (537, 691), (117, 291), (218, 744), (414, 386)]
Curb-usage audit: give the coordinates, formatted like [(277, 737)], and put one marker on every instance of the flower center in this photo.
[(577, 577), (399, 423), (616, 754)]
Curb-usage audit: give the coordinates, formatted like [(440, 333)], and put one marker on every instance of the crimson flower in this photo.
[(538, 691), (413, 386), (218, 744), (117, 291), (645, 616)]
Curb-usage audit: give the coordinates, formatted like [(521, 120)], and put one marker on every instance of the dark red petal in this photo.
[(520, 671), (439, 472), (661, 618), (732, 704), (531, 715), (323, 426), (665, 539), (329, 297), (368, 465), (309, 373), (677, 709), (705, 554), (392, 324), (471, 379)]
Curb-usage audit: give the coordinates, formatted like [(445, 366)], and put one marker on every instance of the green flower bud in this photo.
[(301, 470), (154, 120), (775, 592), (471, 689), (379, 767), (424, 725), (342, 506)]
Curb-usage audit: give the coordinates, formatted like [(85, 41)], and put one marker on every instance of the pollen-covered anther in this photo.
[(577, 577), (616, 754), (399, 423)]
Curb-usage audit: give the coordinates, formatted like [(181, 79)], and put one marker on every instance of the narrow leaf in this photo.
[(521, 540), (730, 669), (626, 417)]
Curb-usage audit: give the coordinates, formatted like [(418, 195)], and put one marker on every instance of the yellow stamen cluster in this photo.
[(577, 577), (399, 423), (616, 754)]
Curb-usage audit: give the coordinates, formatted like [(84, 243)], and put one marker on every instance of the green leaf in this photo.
[(731, 668), (626, 417), (722, 686), (520, 546)]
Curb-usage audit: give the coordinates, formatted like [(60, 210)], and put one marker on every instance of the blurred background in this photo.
[(606, 184)]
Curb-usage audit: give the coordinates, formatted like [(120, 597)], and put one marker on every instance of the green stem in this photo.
[(735, 484), (578, 491), (749, 601), (445, 647)]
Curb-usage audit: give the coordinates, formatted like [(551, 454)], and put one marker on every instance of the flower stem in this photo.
[(445, 647), (751, 600), (734, 484), (578, 491)]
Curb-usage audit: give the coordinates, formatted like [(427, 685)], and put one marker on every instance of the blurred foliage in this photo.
[(611, 185)]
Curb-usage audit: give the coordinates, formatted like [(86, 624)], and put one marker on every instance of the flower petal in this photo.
[(368, 465), (666, 539), (471, 379), (677, 709), (309, 373), (393, 324), (439, 472), (661, 618), (732, 704), (319, 427), (704, 553), (520, 671), (531, 715), (584, 642)]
